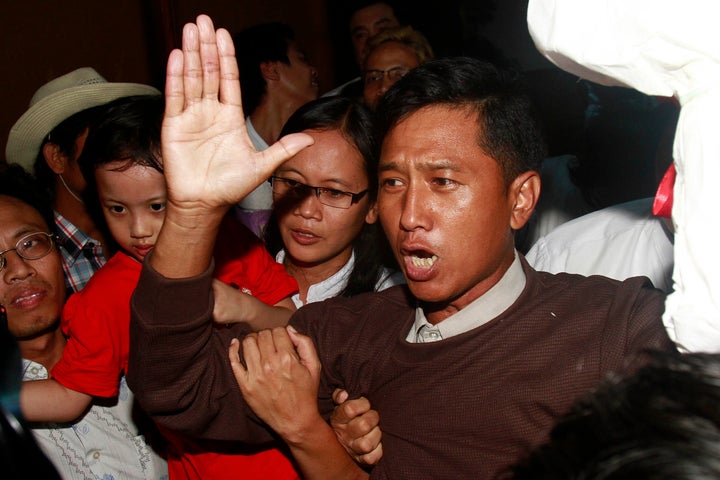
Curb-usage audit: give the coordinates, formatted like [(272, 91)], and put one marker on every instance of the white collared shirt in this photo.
[(103, 443), (334, 285)]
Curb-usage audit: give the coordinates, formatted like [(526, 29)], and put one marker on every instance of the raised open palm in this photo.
[(208, 158)]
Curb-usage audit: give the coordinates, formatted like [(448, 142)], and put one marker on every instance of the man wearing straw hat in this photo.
[(48, 139)]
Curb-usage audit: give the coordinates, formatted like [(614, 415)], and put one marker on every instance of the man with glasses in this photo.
[(391, 54), (104, 442)]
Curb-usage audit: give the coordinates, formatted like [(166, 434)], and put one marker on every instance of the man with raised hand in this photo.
[(468, 367)]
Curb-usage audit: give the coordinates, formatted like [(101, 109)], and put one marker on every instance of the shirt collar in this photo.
[(481, 310), (328, 288), (73, 239), (258, 142)]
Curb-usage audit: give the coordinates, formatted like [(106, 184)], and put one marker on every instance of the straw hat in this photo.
[(58, 100)]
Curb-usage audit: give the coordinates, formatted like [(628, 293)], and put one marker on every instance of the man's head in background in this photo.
[(367, 19)]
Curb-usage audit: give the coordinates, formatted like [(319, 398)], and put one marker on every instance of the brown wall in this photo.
[(127, 40)]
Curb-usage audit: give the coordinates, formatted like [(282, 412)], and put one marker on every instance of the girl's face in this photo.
[(315, 234), (133, 201)]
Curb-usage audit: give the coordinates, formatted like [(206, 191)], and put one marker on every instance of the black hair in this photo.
[(64, 135), (265, 42), (355, 121), (128, 130), (17, 183), (661, 423), (508, 129)]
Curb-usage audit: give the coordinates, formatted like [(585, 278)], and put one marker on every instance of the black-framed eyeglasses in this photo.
[(32, 246), (376, 76), (332, 197)]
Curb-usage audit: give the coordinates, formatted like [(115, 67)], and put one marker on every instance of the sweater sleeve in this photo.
[(178, 367), (636, 311)]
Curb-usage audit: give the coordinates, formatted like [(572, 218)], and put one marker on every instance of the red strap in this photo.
[(662, 206)]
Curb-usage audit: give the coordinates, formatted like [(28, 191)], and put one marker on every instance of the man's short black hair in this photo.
[(255, 45), (17, 183), (508, 129)]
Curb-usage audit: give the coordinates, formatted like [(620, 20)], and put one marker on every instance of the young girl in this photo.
[(122, 166), (324, 226)]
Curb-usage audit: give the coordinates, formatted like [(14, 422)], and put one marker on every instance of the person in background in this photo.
[(367, 18), (621, 241), (475, 326), (390, 55), (104, 441), (276, 79), (48, 139)]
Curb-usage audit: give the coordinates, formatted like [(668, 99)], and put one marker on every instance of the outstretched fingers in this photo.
[(229, 73), (174, 89), (209, 58)]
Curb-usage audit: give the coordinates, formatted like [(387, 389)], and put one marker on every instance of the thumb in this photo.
[(305, 349), (237, 367), (285, 148)]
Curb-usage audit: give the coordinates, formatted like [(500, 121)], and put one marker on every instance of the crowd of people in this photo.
[(246, 277)]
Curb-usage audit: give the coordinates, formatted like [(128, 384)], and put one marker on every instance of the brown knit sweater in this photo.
[(465, 407)]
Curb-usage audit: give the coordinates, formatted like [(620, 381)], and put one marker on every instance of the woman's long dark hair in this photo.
[(355, 121)]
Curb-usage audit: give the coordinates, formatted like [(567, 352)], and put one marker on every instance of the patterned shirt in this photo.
[(103, 444), (82, 255)]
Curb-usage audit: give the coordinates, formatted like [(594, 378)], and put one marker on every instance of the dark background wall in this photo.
[(128, 40)]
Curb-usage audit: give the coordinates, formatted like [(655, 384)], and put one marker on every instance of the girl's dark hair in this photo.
[(128, 130), (355, 122)]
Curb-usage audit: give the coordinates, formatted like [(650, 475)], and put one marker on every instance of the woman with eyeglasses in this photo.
[(324, 226)]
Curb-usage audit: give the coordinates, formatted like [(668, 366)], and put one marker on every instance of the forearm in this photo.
[(262, 316), (320, 455), (49, 401), (258, 315), (178, 367)]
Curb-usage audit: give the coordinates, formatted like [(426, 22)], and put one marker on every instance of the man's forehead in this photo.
[(371, 15), (17, 216)]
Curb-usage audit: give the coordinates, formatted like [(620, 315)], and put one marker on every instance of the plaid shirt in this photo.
[(82, 255)]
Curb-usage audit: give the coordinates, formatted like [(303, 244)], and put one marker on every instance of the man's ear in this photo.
[(372, 215), (55, 159), (524, 193), (269, 71)]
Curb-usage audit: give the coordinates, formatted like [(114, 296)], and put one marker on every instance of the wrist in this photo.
[(308, 432), (184, 247)]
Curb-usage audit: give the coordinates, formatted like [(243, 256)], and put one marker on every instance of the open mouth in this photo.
[(423, 260)]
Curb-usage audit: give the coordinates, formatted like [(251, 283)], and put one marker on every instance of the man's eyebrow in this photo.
[(384, 167), (430, 165), (357, 29), (383, 21), (28, 229)]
